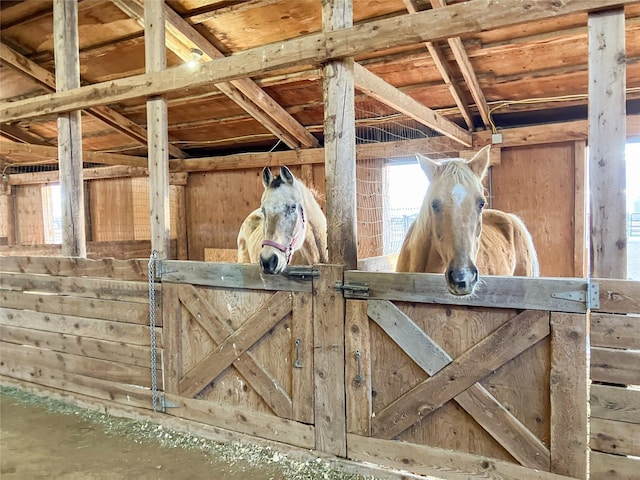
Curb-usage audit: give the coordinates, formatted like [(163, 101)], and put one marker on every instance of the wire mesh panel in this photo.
[(390, 182)]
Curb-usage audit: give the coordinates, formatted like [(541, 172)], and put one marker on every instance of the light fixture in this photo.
[(196, 55)]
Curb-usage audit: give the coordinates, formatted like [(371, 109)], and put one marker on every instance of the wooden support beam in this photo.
[(157, 125), (67, 53), (28, 154), (92, 173), (17, 134), (340, 143), (182, 38), (106, 115), (469, 75), (386, 93), (607, 134), (314, 49), (443, 67)]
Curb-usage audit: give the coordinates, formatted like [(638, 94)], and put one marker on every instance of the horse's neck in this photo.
[(315, 242)]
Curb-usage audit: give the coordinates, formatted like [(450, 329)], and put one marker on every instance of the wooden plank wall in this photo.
[(542, 184), (78, 326), (117, 209), (615, 376)]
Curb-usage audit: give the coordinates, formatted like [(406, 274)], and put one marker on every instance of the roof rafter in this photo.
[(386, 93), (445, 71), (182, 38), (47, 81), (312, 49), (460, 54)]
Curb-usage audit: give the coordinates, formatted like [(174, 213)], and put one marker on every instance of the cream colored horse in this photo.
[(288, 228), (456, 235)]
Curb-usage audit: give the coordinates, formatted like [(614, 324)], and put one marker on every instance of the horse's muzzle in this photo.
[(462, 281), (270, 264)]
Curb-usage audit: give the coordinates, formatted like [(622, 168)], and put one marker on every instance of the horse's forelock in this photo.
[(459, 171), (276, 182)]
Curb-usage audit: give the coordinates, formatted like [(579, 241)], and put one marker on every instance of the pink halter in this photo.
[(288, 251)]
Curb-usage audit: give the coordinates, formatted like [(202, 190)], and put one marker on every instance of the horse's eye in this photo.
[(481, 204), (291, 208), (436, 205)]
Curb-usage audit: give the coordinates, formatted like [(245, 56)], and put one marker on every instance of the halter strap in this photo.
[(288, 251)]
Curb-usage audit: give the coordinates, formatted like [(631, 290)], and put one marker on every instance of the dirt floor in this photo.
[(45, 439)]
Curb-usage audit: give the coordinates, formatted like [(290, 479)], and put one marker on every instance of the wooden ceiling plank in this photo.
[(431, 25), (445, 71), (182, 37), (386, 93), (107, 115)]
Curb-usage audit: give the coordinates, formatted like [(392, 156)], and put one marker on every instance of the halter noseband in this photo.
[(288, 251)]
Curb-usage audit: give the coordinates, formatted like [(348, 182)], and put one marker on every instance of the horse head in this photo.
[(284, 220), (454, 201)]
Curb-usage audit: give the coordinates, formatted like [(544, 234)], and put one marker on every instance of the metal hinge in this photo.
[(302, 273), (353, 290), (590, 296)]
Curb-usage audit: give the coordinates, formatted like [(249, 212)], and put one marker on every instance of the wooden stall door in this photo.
[(465, 391), (240, 358)]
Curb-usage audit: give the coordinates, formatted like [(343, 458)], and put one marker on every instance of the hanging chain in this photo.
[(152, 330)]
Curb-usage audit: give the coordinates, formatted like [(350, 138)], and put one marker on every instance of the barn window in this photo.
[(52, 214), (406, 186), (633, 211)]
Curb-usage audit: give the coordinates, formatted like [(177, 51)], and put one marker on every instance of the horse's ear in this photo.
[(479, 164), (266, 176), (286, 175), (429, 166)]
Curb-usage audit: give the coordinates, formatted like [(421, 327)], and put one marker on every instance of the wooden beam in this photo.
[(443, 67), (607, 178), (28, 154), (67, 54), (93, 173), (17, 134), (314, 49), (182, 38), (157, 125), (340, 143), (105, 114), (386, 93), (469, 75)]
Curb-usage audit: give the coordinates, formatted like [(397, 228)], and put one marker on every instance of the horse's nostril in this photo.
[(269, 264)]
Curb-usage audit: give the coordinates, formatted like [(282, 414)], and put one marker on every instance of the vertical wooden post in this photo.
[(67, 58), (171, 311), (580, 239), (328, 362), (157, 131), (607, 136), (569, 394), (181, 223), (340, 143)]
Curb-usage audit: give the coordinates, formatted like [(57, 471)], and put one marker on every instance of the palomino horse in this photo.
[(454, 234), (288, 228)]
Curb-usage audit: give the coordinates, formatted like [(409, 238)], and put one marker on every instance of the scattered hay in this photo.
[(143, 431)]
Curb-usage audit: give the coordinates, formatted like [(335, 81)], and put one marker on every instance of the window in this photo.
[(52, 214), (633, 211), (406, 186)]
